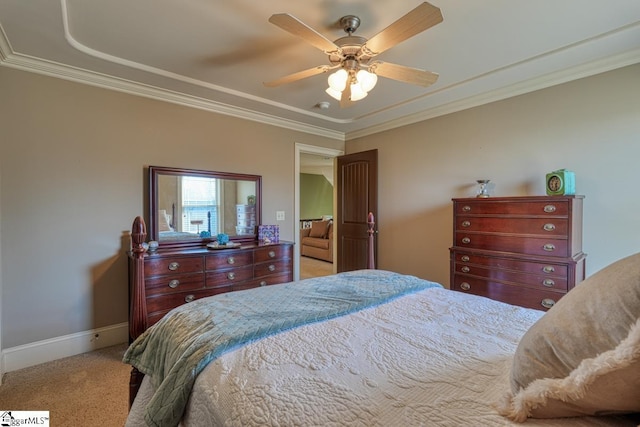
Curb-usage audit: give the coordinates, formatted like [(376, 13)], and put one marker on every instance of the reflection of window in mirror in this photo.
[(200, 207)]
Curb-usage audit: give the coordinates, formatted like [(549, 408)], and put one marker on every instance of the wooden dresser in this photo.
[(525, 251), (176, 277)]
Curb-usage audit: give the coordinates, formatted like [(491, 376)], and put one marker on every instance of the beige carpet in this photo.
[(90, 389)]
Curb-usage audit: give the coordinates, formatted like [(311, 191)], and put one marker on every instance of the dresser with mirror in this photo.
[(187, 210)]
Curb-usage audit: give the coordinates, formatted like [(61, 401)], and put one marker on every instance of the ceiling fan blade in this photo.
[(404, 74), (298, 76), (345, 100), (419, 19), (298, 28)]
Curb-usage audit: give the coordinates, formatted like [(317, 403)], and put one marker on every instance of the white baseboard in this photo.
[(31, 354)]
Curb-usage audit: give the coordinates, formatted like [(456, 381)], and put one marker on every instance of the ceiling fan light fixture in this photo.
[(366, 80), (338, 80), (357, 93), (337, 95)]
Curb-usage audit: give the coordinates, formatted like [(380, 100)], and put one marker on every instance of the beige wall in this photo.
[(71, 181), (72, 161), (590, 126)]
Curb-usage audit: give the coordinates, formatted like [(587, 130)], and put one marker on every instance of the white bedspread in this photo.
[(434, 358)]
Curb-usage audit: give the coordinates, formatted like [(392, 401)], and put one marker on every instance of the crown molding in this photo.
[(531, 85), (65, 72)]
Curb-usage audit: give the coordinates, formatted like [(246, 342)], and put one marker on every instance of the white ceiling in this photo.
[(215, 54)]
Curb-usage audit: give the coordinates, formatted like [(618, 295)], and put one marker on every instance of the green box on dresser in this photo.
[(525, 251)]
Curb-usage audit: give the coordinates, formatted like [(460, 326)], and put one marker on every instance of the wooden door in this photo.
[(357, 195)]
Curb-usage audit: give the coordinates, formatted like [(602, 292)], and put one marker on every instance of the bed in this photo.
[(379, 348)]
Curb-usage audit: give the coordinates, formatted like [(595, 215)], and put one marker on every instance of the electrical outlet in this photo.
[(279, 215)]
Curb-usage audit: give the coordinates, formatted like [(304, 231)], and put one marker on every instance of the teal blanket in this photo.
[(177, 348)]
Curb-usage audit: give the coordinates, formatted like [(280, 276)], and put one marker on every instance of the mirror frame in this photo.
[(155, 171)]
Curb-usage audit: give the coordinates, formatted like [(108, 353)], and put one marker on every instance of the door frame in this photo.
[(321, 151)]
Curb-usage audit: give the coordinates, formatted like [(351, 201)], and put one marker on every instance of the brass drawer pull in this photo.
[(174, 283), (174, 266), (272, 254), (549, 227), (465, 269), (465, 258), (466, 208), (231, 275), (272, 267), (549, 247), (465, 286), (550, 208), (189, 298), (466, 240), (548, 269), (547, 303), (263, 283), (548, 283), (231, 260), (466, 224)]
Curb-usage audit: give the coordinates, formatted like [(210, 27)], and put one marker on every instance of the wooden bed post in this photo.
[(138, 308), (371, 262)]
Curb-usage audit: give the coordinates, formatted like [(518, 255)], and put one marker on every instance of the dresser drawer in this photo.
[(273, 279), (268, 253), (225, 258), (491, 207), (531, 245), (178, 265), (167, 302), (526, 297), (229, 276), (522, 265), (531, 226), (275, 267), (177, 283)]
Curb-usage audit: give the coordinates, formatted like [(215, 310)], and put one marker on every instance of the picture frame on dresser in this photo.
[(524, 250)]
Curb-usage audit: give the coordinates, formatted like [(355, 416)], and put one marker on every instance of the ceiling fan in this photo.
[(351, 55)]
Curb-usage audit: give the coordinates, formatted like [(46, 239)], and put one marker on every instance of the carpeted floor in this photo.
[(90, 389)]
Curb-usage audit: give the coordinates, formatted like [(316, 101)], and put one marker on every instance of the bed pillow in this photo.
[(163, 221), (319, 229), (583, 356)]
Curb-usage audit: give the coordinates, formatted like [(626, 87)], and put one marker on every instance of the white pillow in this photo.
[(163, 221)]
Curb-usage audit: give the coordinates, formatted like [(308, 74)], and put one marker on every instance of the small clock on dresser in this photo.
[(561, 183)]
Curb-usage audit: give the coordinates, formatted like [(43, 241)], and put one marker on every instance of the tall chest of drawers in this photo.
[(175, 277), (525, 251)]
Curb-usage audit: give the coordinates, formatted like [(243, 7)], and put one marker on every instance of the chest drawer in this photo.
[(175, 283), (531, 226), (543, 268), (229, 276), (517, 278), (228, 258), (269, 253), (526, 297), (177, 265), (528, 208), (531, 246)]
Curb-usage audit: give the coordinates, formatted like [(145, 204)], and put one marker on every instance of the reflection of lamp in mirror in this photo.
[(483, 191)]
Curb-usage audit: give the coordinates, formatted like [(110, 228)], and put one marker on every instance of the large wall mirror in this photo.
[(191, 207)]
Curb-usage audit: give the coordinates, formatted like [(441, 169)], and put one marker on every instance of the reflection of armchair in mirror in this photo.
[(190, 207)]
